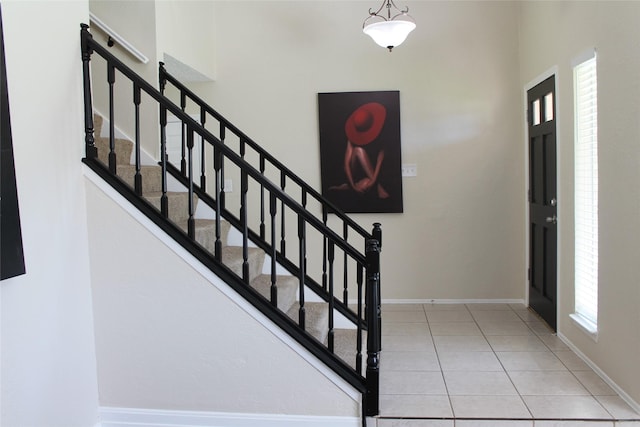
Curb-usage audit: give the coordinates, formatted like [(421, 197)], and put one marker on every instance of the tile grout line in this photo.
[(503, 367), (435, 349)]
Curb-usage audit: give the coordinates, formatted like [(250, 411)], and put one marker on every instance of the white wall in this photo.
[(611, 28), (461, 233), (48, 359), (184, 31), (166, 338)]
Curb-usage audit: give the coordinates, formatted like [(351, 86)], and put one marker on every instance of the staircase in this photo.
[(313, 282), (178, 204)]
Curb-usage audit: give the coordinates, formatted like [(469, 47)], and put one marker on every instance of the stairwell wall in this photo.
[(168, 339), (461, 234), (184, 31), (48, 373)]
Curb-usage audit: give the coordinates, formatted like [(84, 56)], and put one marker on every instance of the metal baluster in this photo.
[(217, 164), (183, 162), (272, 212), (345, 278), (359, 329), (164, 200), (85, 37), (302, 273), (244, 184), (304, 205), (203, 178), (283, 242), (191, 229), (222, 192), (138, 176), (262, 226), (330, 337), (111, 78), (324, 249)]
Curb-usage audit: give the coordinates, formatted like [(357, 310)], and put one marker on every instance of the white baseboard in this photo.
[(130, 417), (624, 395), (453, 301)]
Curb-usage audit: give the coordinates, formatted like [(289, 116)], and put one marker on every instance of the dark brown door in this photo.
[(542, 201)]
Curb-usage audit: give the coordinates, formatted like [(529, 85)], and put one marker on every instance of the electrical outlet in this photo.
[(228, 186), (409, 170)]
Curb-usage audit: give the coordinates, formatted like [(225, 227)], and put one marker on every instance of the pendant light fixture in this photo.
[(388, 28)]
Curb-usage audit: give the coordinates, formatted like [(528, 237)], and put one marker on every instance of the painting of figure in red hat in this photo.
[(360, 158)]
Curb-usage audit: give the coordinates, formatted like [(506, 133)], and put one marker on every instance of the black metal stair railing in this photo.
[(289, 182), (320, 251)]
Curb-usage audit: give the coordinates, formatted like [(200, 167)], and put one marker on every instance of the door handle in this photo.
[(553, 202), (552, 219)]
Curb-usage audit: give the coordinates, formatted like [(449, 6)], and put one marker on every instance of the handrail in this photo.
[(332, 241), (118, 38)]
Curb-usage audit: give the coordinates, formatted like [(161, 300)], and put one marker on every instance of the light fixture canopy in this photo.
[(391, 30)]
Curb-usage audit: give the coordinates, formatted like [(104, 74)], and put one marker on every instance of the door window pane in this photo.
[(548, 107), (535, 112)]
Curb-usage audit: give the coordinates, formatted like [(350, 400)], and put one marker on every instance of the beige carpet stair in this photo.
[(151, 176), (287, 287), (316, 318), (205, 232), (178, 204), (344, 345), (316, 314), (124, 148)]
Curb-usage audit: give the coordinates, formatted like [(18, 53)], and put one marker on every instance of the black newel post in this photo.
[(377, 234), (373, 314), (162, 78), (85, 38)]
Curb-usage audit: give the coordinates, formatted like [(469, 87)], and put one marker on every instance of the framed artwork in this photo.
[(360, 157), (11, 250)]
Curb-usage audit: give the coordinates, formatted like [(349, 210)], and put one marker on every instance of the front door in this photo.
[(542, 200)]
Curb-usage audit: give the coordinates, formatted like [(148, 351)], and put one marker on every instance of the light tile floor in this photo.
[(486, 365)]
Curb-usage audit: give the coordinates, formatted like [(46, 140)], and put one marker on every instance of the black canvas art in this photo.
[(11, 251), (360, 150)]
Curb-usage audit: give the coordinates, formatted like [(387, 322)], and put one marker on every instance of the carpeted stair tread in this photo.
[(344, 345), (232, 257), (287, 289), (316, 318), (178, 203), (205, 232), (97, 125), (123, 150), (151, 177)]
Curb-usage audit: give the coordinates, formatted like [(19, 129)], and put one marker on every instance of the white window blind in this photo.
[(586, 193)]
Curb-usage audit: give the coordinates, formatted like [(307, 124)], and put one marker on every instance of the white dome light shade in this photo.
[(389, 34)]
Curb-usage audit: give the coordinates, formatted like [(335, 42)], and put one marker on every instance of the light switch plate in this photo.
[(409, 170)]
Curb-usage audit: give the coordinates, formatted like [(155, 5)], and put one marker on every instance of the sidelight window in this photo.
[(586, 193)]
